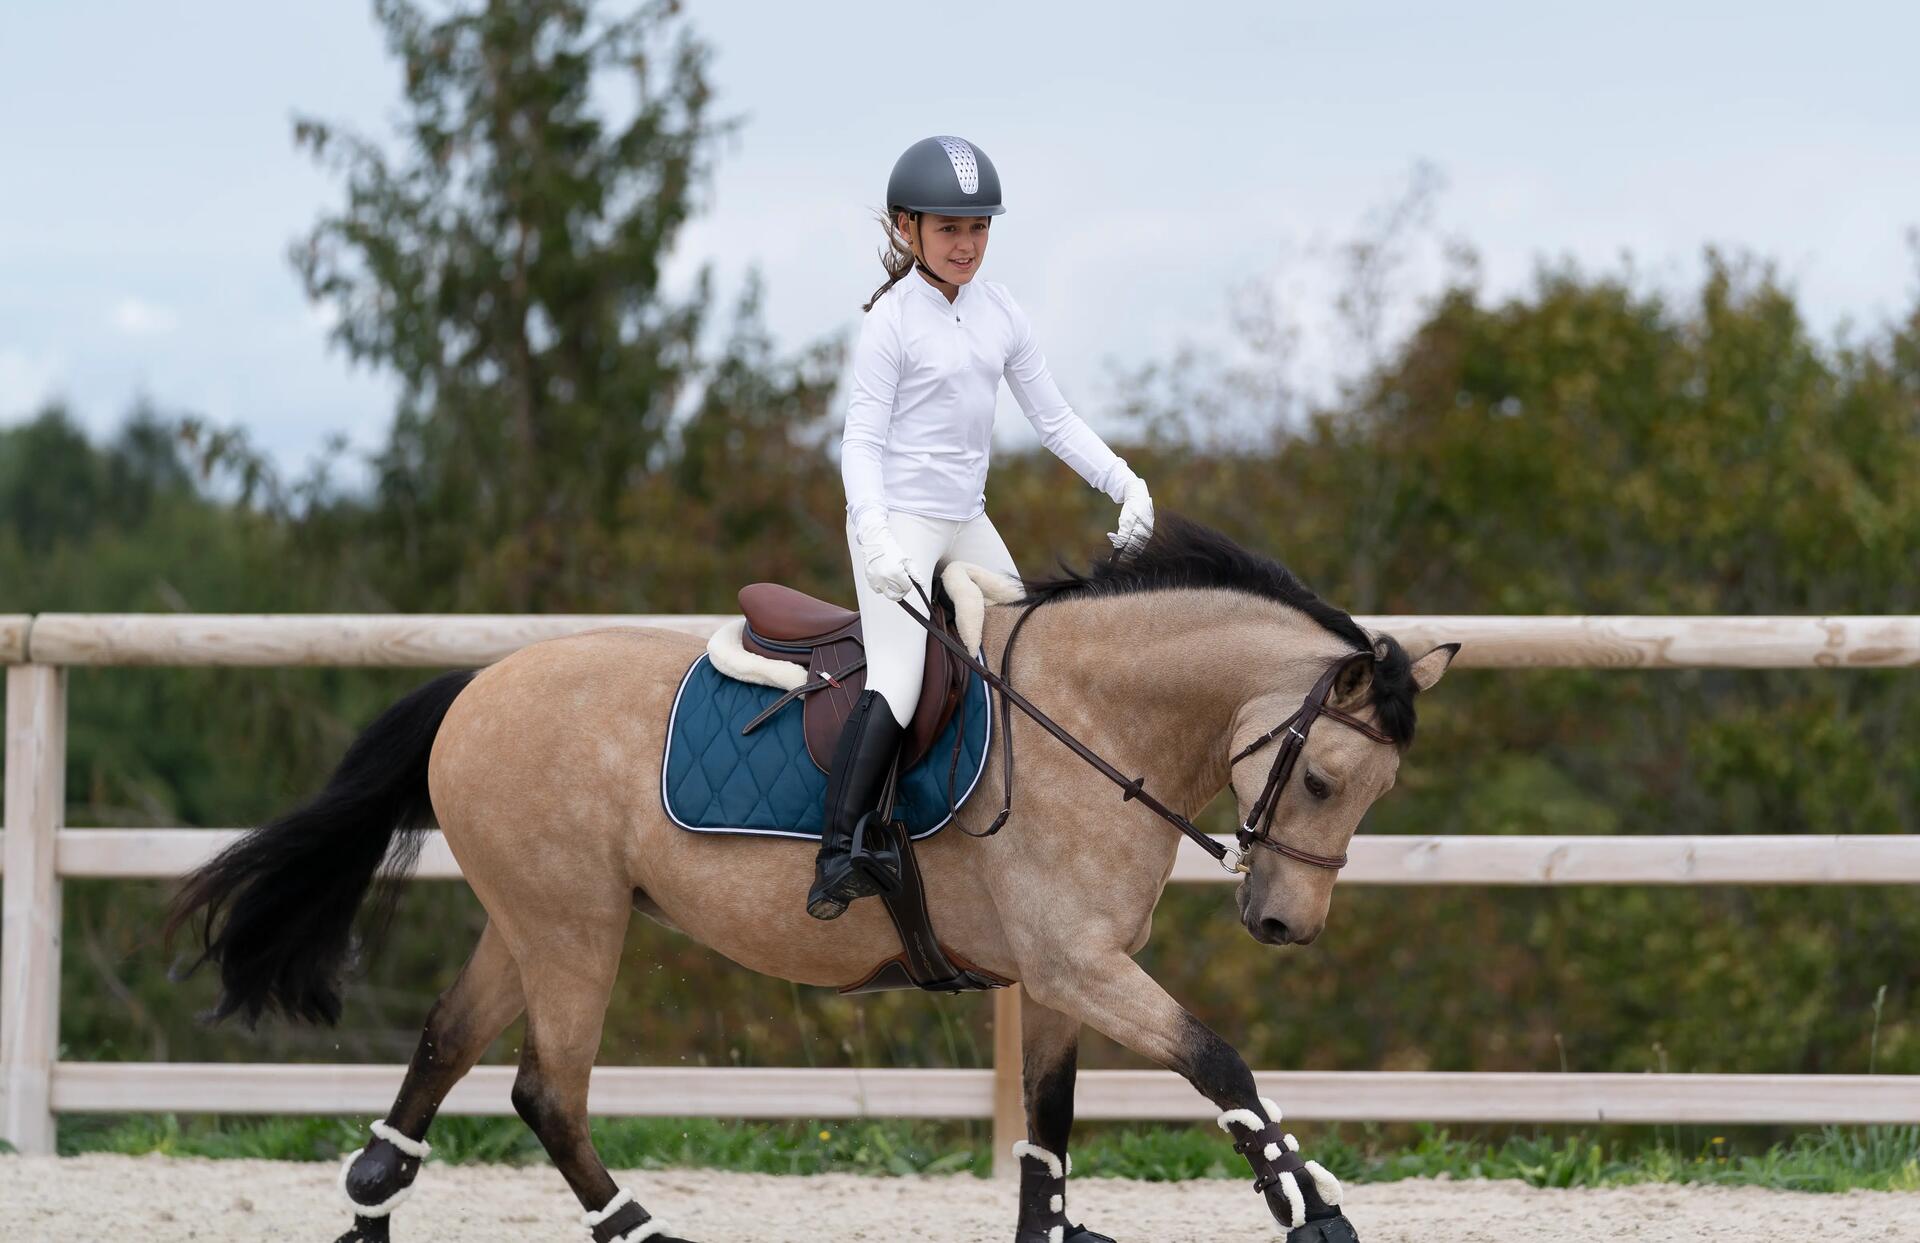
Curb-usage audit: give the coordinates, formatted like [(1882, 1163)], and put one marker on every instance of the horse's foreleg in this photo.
[(1113, 995), (1050, 1046), (476, 1008)]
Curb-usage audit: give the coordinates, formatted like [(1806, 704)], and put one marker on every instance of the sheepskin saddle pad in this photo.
[(718, 777)]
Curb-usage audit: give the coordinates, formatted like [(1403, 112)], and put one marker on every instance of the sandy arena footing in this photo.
[(167, 1199)]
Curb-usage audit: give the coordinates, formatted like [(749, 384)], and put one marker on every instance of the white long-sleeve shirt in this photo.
[(920, 421)]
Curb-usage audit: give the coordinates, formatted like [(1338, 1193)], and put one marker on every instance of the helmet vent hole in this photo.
[(964, 167)]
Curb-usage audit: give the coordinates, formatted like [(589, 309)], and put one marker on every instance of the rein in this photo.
[(1257, 831)]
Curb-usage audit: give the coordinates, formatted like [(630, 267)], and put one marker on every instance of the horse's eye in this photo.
[(1317, 787)]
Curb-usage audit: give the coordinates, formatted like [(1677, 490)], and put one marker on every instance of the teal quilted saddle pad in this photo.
[(714, 780)]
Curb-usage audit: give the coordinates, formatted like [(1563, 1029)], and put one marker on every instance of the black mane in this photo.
[(1184, 554)]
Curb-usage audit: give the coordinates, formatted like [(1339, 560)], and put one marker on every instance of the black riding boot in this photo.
[(847, 869)]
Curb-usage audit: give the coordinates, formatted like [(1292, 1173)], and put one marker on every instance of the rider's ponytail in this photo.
[(897, 257)]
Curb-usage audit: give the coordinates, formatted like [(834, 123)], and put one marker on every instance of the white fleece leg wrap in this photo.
[(1055, 1167), (1296, 1203), (1057, 1234), (415, 1148), (1244, 1117), (1249, 1119), (621, 1198), (381, 1209), (1326, 1184), (1058, 1204)]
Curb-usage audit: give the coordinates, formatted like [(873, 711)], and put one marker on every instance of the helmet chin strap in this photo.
[(919, 248)]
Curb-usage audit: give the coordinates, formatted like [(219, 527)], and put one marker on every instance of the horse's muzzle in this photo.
[(1270, 931)]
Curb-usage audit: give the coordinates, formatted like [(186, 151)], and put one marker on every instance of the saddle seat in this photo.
[(826, 641), (780, 613)]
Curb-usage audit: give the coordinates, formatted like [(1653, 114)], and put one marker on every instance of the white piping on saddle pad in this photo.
[(727, 650)]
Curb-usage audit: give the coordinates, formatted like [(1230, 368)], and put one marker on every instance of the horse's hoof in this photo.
[(1335, 1229), (1074, 1234), (367, 1230)]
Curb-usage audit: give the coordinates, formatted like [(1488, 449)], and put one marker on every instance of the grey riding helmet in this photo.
[(947, 176)]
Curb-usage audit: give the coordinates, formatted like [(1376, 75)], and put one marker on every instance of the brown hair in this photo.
[(896, 257)]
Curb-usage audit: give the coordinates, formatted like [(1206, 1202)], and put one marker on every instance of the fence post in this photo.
[(1009, 1110), (30, 943)]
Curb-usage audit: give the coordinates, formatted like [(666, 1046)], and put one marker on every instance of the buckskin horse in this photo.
[(1187, 660)]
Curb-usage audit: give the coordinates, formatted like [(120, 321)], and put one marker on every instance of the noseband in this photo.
[(1292, 732), (1257, 831)]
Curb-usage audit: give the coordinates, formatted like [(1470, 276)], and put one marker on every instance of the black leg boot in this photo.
[(848, 865)]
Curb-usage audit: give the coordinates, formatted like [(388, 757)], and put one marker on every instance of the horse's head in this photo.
[(1349, 757)]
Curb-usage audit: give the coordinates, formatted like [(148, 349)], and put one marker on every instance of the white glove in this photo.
[(1136, 516), (886, 563)]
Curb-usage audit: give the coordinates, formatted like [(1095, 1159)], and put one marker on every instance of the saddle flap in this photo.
[(791, 626), (942, 685)]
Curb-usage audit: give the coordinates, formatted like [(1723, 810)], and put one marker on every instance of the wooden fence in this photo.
[(39, 852)]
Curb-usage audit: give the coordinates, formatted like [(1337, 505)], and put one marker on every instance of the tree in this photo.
[(507, 267)]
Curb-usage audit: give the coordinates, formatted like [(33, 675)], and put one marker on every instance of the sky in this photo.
[(1153, 157)]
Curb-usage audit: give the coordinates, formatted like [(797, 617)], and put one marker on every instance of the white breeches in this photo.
[(897, 644)]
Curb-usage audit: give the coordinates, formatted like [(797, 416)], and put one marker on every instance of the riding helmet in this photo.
[(947, 176)]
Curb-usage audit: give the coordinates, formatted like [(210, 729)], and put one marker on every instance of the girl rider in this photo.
[(926, 373)]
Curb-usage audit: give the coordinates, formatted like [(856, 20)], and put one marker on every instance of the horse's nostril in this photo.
[(1274, 931)]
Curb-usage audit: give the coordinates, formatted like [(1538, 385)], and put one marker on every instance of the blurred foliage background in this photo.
[(571, 439)]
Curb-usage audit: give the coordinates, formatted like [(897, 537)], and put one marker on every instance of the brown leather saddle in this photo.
[(825, 639)]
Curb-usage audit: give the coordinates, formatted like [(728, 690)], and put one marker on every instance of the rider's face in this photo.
[(953, 246)]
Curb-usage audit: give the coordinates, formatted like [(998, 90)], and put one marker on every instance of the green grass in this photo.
[(1830, 1159)]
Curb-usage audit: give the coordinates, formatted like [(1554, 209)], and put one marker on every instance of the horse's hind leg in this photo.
[(1050, 1049), (569, 974), (476, 1008)]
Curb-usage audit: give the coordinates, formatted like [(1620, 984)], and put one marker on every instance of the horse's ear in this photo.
[(1352, 681), (1427, 670)]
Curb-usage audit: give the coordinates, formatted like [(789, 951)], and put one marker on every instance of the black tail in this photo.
[(290, 888)]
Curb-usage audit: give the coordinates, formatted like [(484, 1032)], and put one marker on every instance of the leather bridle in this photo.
[(1258, 829)]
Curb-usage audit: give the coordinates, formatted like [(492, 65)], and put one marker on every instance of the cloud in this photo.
[(27, 381), (143, 319)]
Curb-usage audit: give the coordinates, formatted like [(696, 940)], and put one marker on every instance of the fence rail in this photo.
[(1744, 859), (38, 851)]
